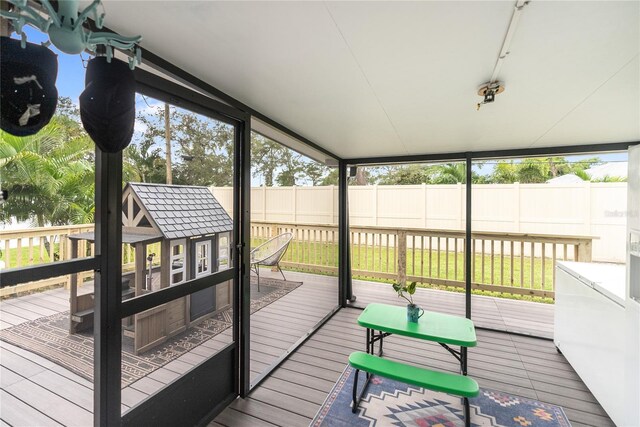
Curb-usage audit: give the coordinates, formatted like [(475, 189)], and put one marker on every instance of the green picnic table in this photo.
[(382, 320)]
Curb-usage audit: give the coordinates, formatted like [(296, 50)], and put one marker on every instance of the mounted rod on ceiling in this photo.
[(506, 44), (490, 89)]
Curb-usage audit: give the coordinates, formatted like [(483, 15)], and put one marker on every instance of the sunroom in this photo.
[(538, 282)]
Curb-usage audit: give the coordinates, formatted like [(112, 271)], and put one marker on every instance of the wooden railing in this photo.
[(503, 262), (32, 246)]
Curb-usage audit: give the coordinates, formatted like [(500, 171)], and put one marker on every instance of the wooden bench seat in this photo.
[(458, 385)]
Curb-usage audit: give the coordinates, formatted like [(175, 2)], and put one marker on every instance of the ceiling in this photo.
[(365, 79)]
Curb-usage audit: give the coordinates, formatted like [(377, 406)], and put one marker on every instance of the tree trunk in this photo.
[(167, 137), (361, 178)]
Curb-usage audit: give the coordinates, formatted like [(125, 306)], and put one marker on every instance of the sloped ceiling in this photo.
[(398, 78)]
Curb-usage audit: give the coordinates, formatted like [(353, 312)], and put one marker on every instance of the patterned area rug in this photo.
[(49, 337), (391, 403)]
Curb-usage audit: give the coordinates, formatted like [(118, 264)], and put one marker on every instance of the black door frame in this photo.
[(209, 387)]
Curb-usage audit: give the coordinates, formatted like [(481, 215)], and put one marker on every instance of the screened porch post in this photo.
[(468, 253), (108, 293), (345, 291), (242, 247)]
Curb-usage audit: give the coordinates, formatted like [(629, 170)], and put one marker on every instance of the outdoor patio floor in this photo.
[(35, 391)]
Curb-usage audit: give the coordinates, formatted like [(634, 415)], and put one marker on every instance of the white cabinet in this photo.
[(590, 329)]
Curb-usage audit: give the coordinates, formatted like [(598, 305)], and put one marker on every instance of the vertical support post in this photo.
[(108, 293), (584, 251), (467, 247), (141, 266), (402, 256), (167, 138), (242, 242), (345, 291), (73, 288)]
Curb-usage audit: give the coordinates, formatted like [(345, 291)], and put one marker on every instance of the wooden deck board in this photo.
[(291, 395), (501, 361), (15, 412), (54, 406)]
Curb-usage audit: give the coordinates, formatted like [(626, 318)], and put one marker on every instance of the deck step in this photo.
[(459, 385)]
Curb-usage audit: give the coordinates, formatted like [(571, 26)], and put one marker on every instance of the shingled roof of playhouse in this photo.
[(182, 210)]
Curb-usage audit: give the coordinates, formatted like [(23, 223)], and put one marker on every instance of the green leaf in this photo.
[(397, 287), (411, 288)]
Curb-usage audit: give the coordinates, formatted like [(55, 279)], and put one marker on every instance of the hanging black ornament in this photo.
[(28, 94), (108, 103)]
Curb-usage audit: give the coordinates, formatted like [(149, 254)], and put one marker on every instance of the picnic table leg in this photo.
[(463, 368), (358, 397), (463, 360), (354, 407), (467, 413)]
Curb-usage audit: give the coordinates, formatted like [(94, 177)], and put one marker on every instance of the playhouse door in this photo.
[(204, 301)]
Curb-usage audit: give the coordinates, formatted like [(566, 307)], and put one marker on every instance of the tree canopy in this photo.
[(50, 175)]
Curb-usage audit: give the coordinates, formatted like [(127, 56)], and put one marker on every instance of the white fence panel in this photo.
[(588, 209)]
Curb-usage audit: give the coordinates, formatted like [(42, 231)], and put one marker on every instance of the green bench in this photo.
[(458, 385)]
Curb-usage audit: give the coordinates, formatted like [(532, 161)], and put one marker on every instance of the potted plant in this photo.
[(406, 291)]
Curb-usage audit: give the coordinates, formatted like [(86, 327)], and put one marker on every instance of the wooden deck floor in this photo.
[(35, 391), (523, 366)]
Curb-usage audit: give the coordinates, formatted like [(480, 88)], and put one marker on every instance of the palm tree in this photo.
[(49, 177), (580, 173), (504, 173), (532, 171), (454, 173), (451, 173)]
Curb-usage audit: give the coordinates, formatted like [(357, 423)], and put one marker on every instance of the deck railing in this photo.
[(503, 262), (32, 246)]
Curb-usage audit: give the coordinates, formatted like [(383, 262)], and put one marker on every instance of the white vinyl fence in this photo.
[(585, 209)]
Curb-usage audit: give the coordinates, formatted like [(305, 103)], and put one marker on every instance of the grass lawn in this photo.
[(25, 259), (34, 259), (381, 260)]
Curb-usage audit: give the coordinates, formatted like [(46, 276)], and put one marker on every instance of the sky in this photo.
[(70, 83)]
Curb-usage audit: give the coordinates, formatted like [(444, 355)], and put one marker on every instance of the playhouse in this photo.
[(178, 233)]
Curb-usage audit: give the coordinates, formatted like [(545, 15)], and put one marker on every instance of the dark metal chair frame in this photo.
[(272, 259)]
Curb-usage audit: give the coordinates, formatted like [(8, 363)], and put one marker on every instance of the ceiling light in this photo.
[(489, 92)]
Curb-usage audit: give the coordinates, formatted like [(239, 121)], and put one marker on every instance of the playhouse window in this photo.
[(223, 251), (202, 258), (177, 261)]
